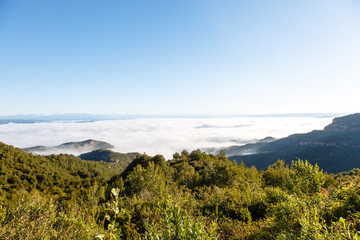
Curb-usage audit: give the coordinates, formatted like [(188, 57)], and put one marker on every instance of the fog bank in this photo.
[(159, 135)]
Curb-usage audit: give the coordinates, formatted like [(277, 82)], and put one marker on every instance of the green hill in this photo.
[(64, 176), (122, 159)]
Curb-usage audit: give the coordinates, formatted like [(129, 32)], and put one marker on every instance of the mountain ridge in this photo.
[(336, 148), (82, 146)]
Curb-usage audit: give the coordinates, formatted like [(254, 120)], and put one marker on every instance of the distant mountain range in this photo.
[(83, 146), (334, 149), (83, 117), (78, 117)]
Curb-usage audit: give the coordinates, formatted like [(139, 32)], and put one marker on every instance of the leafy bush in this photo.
[(41, 218), (305, 178)]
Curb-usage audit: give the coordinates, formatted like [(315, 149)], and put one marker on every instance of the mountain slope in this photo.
[(246, 149), (334, 149), (122, 159), (83, 146), (65, 176)]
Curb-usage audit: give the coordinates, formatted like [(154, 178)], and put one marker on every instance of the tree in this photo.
[(305, 178)]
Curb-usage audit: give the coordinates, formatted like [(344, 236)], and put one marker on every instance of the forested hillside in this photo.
[(193, 196), (61, 176), (122, 159)]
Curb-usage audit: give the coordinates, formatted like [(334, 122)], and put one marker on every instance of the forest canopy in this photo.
[(192, 196)]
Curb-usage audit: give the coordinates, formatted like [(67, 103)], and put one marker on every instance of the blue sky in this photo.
[(179, 57)]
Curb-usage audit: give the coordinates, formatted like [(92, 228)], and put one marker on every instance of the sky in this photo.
[(179, 57)]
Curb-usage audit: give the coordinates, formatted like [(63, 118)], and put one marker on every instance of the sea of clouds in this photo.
[(159, 135)]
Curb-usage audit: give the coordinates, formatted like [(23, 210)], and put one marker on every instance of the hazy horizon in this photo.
[(95, 116), (159, 135)]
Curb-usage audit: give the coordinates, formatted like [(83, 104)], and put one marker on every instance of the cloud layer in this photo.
[(159, 136)]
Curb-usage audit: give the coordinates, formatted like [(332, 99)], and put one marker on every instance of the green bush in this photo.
[(41, 218), (305, 178)]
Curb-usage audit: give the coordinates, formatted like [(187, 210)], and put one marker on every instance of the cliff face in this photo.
[(347, 123)]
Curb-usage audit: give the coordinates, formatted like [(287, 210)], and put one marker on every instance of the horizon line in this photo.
[(117, 116)]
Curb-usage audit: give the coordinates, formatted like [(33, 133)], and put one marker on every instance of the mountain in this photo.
[(77, 117), (334, 149), (122, 159), (87, 143), (246, 149), (83, 146)]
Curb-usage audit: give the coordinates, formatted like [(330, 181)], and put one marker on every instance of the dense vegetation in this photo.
[(193, 196), (63, 177), (122, 159)]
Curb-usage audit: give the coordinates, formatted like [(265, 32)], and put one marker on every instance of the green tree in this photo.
[(150, 179), (305, 178)]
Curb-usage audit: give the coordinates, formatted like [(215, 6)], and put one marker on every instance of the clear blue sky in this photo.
[(188, 56)]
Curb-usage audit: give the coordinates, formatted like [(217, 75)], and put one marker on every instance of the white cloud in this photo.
[(159, 136)]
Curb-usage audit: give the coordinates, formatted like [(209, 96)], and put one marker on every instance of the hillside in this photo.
[(193, 196), (122, 159), (64, 176), (246, 149), (334, 149), (83, 146)]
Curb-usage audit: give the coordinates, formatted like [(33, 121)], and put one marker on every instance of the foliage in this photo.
[(42, 218), (305, 178), (122, 159), (113, 230), (176, 223), (276, 175), (150, 179), (192, 196), (64, 177)]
